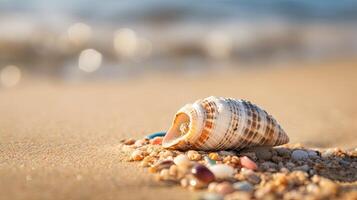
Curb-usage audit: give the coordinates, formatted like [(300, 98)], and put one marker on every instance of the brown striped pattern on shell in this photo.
[(224, 123)]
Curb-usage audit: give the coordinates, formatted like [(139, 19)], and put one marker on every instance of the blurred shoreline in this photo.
[(45, 40)]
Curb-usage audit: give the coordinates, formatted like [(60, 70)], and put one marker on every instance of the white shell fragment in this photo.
[(217, 123), (222, 171)]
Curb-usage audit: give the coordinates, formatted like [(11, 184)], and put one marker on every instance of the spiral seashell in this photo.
[(217, 123)]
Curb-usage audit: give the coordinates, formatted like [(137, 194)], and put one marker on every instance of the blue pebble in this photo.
[(209, 161), (243, 186), (154, 135)]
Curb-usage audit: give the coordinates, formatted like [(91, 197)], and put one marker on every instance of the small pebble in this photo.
[(277, 159), (253, 178), (290, 165), (137, 155), (209, 161), (269, 166), (344, 163), (196, 184), (156, 141), (140, 143), (248, 163), (222, 171), (304, 168), (212, 187), (327, 153), (202, 173), (173, 170), (224, 188), (129, 141), (184, 182), (243, 186), (214, 156), (194, 155), (312, 188), (313, 154), (165, 164), (166, 154), (182, 161), (164, 174), (227, 153), (284, 152), (328, 187), (263, 153), (299, 155)]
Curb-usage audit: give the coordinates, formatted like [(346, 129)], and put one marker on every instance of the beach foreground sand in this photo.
[(61, 141)]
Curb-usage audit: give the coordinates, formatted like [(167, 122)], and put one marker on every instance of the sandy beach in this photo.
[(61, 140)]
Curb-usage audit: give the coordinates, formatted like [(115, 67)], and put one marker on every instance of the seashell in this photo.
[(217, 123)]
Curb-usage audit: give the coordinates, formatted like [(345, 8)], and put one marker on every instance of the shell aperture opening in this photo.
[(178, 130)]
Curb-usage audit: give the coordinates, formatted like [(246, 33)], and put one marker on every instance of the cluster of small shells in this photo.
[(286, 172)]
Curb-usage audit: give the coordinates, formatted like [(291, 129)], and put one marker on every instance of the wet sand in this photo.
[(61, 141)]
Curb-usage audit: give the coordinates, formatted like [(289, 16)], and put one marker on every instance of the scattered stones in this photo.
[(222, 171), (289, 172), (248, 163), (202, 173), (299, 155)]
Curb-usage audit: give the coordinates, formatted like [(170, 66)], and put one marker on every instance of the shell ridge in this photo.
[(228, 133), (208, 123), (223, 124)]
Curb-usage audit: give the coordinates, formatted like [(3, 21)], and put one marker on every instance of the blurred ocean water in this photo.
[(112, 38)]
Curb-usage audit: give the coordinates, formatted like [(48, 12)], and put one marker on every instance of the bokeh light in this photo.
[(218, 44), (79, 33), (125, 42), (10, 76), (89, 60)]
